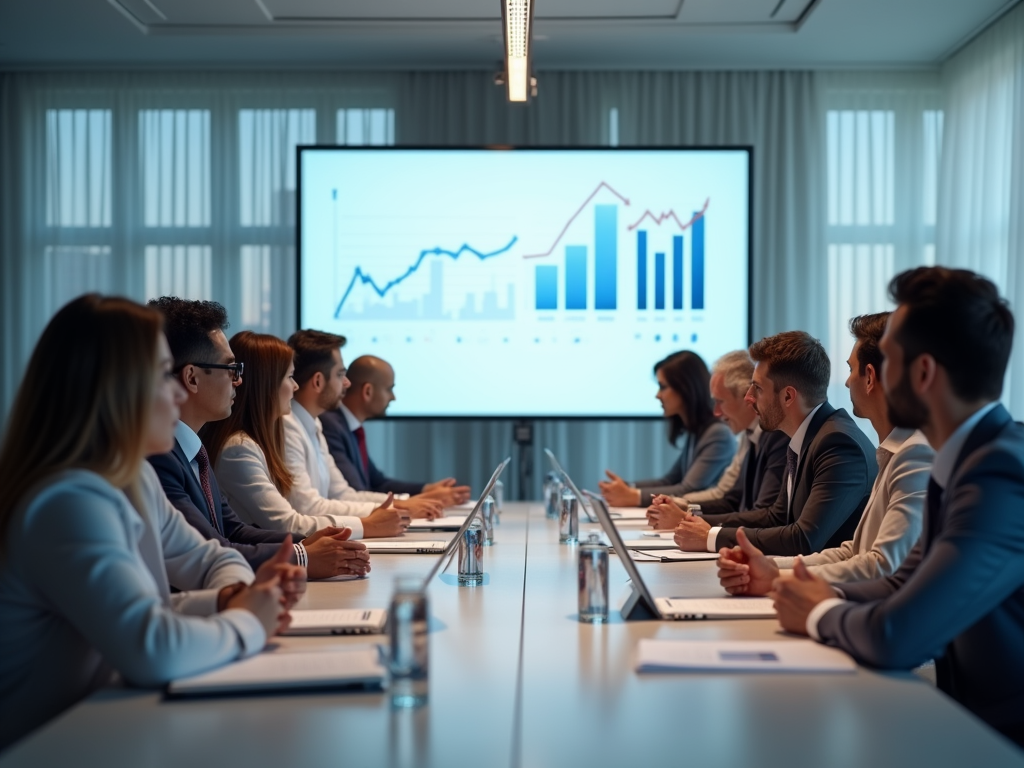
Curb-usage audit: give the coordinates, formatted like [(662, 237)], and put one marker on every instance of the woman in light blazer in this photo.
[(684, 391), (89, 546)]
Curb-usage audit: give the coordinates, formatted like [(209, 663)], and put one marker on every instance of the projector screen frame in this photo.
[(748, 148)]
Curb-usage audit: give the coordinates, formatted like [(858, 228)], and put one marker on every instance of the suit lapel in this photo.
[(985, 432), (813, 428), (353, 452), (195, 490)]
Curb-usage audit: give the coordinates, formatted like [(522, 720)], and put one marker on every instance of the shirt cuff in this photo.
[(816, 614), (357, 528), (712, 544), (251, 634), (301, 558)]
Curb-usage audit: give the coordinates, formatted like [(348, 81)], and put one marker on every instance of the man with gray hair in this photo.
[(754, 477)]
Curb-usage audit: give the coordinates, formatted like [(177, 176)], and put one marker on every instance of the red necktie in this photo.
[(203, 460), (360, 434)]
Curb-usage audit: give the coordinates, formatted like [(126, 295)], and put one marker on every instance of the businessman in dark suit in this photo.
[(830, 463), (206, 367), (959, 595), (371, 391)]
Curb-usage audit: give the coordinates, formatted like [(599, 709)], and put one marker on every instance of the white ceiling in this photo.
[(570, 34)]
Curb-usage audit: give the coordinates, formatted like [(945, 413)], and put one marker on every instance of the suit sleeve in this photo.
[(974, 565), (254, 544), (841, 483), (384, 484), (711, 456)]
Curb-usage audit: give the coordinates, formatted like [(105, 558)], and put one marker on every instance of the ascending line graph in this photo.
[(359, 277)]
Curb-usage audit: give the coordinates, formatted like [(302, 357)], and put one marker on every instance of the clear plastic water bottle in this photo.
[(471, 555), (409, 655), (554, 497), (568, 518), (487, 515), (593, 581), (498, 492)]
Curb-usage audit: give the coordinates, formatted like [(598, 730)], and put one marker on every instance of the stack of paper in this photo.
[(358, 666), (740, 656)]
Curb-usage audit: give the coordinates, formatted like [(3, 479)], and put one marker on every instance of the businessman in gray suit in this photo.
[(959, 595)]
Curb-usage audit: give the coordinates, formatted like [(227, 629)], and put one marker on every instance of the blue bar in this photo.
[(547, 287), (677, 272), (641, 269), (605, 246), (575, 277), (659, 281), (698, 263)]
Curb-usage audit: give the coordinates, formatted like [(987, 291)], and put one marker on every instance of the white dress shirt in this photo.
[(796, 444), (942, 471), (350, 419), (85, 590), (318, 486), (244, 478), (891, 523)]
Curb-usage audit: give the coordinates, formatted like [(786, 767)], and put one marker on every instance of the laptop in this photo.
[(572, 486), (449, 551), (446, 523), (404, 547), (641, 604)]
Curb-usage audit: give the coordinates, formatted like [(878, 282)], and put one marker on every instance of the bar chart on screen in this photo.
[(527, 258)]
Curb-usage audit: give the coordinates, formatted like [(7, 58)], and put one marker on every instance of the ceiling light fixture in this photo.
[(517, 20)]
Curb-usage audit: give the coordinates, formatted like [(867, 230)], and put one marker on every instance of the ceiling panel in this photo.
[(743, 11)]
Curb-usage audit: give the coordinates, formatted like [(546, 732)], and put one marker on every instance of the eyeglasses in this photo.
[(235, 368)]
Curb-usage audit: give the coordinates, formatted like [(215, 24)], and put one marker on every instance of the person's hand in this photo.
[(292, 578), (447, 492), (265, 601), (331, 553), (385, 521), (617, 492), (745, 569), (420, 507), (692, 533), (795, 597), (664, 514)]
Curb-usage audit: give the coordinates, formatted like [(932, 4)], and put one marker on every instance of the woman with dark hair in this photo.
[(89, 545), (247, 450), (685, 396)]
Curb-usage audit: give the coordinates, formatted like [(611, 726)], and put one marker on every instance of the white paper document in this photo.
[(447, 523), (628, 513), (669, 555), (466, 506), (740, 656), (359, 666), (351, 621), (651, 540), (716, 607)]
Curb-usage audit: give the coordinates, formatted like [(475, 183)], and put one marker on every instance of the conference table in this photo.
[(516, 680)]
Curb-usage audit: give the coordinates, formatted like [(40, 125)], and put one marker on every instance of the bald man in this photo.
[(371, 391)]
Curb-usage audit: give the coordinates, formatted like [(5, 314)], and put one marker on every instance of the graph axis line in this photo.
[(366, 279)]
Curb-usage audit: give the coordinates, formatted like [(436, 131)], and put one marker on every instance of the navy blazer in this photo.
[(345, 450), (959, 595), (760, 477), (834, 476), (184, 492)]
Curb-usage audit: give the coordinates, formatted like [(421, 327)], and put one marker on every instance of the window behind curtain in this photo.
[(882, 166), (195, 199)]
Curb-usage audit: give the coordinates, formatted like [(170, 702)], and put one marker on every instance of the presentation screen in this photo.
[(525, 282)]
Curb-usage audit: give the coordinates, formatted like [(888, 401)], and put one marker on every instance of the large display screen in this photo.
[(525, 282)]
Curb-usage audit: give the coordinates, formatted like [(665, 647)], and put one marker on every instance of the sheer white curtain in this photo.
[(981, 190)]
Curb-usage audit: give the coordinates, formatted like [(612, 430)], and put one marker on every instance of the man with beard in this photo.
[(959, 595), (891, 524), (318, 485), (830, 464)]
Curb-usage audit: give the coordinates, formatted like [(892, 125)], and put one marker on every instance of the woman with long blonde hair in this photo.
[(89, 545), (248, 453)]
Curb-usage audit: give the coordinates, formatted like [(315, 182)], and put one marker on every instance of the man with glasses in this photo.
[(206, 368)]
